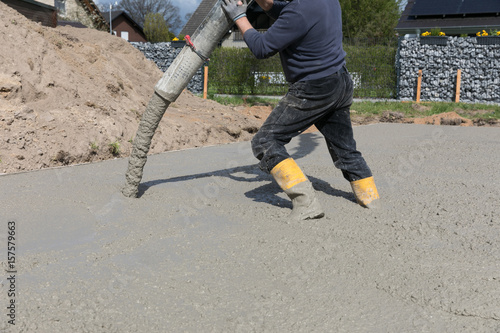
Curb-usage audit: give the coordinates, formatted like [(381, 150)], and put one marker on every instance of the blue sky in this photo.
[(403, 4), (185, 6)]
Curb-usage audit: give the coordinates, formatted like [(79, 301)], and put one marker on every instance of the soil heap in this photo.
[(70, 95)]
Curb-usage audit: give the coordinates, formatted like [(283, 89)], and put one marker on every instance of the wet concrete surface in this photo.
[(207, 247)]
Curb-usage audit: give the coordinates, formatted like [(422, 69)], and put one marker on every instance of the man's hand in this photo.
[(233, 10)]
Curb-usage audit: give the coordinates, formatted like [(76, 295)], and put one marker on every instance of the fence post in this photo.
[(398, 67), (459, 81), (419, 85), (205, 83)]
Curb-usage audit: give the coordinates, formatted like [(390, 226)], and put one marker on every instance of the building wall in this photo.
[(42, 13), (74, 11), (480, 66), (121, 23), (235, 39), (47, 2)]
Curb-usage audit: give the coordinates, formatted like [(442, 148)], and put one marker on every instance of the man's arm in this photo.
[(243, 25)]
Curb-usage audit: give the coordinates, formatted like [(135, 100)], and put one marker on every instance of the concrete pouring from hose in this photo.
[(170, 86)]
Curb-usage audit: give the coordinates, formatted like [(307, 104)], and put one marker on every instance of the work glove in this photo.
[(234, 11)]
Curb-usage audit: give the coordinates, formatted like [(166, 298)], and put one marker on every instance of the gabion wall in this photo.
[(480, 65), (163, 54)]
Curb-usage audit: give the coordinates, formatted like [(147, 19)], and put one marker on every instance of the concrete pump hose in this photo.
[(174, 80), (142, 142)]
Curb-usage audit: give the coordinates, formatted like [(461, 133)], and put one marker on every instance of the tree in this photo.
[(156, 29), (138, 9), (369, 18)]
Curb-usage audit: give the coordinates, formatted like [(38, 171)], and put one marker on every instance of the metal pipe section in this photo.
[(170, 86), (187, 63)]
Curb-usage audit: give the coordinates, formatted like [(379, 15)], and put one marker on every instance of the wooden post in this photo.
[(205, 83), (419, 85), (459, 81)]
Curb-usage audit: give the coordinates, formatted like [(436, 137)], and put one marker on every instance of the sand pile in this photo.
[(70, 95)]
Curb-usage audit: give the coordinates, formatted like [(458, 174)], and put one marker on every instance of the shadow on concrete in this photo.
[(307, 144), (267, 193), (229, 173)]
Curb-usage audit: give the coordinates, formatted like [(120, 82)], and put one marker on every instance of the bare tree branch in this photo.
[(138, 9)]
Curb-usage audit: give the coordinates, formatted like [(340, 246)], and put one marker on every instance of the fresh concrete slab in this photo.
[(207, 247)]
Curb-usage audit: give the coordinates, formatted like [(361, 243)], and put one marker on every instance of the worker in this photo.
[(308, 36)]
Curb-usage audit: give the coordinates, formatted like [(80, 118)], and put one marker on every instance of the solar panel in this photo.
[(435, 7), (480, 7), (454, 7)]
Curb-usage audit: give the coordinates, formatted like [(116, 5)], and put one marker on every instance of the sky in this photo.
[(403, 4), (185, 6)]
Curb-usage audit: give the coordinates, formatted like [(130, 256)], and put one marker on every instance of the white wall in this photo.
[(47, 2)]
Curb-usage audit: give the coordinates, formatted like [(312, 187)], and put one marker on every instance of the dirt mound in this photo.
[(392, 117), (71, 95), (448, 118)]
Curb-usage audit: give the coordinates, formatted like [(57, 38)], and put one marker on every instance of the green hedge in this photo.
[(237, 71), (234, 71), (373, 69)]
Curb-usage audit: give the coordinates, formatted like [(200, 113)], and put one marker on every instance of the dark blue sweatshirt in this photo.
[(308, 36)]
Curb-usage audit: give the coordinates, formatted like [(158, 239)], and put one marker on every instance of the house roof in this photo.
[(198, 16), (455, 7), (451, 16), (71, 24), (206, 6), (116, 13), (41, 4), (35, 11)]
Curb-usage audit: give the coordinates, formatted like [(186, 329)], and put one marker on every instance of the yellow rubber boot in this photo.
[(299, 189), (366, 192)]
